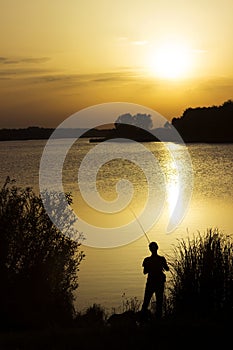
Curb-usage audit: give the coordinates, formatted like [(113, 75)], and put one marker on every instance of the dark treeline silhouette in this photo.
[(140, 120), (30, 133), (127, 126), (136, 127), (39, 133), (202, 124), (38, 264), (125, 131), (206, 124)]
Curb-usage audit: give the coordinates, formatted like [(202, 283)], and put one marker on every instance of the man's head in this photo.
[(153, 246)]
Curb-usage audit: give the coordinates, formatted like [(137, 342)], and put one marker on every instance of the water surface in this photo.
[(107, 274)]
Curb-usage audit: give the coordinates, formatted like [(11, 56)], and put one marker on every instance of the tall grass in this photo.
[(202, 276), (130, 304), (94, 315)]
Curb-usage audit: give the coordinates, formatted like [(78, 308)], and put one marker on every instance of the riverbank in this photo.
[(180, 334)]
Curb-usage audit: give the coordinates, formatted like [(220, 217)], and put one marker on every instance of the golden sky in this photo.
[(59, 56)]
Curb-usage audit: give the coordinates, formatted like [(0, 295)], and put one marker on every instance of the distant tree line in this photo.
[(30, 133), (40, 133), (206, 124), (200, 124), (127, 126), (136, 127)]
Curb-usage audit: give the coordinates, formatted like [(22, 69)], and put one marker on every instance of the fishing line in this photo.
[(148, 240)]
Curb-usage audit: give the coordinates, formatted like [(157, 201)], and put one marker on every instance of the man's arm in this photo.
[(144, 264)]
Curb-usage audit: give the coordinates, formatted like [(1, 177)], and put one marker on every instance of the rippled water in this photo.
[(106, 274)]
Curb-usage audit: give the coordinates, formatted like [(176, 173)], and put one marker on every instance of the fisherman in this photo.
[(154, 266)]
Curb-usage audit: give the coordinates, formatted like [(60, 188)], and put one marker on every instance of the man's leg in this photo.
[(159, 292), (147, 297)]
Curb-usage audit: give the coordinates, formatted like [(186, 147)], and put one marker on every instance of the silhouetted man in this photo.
[(154, 266)]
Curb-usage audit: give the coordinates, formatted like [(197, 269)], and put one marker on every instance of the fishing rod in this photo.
[(148, 240), (140, 225)]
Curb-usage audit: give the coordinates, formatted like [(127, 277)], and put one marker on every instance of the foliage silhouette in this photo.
[(38, 264), (135, 127), (127, 126), (202, 276), (94, 316), (130, 304), (140, 120), (206, 124)]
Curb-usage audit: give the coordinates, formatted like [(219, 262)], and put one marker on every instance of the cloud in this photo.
[(21, 72), (199, 51), (5, 73), (12, 68), (30, 60), (120, 76), (86, 79), (139, 42), (45, 78), (215, 83), (26, 71), (123, 40)]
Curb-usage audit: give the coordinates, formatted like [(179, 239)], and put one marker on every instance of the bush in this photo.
[(130, 304), (95, 315), (202, 276), (38, 264)]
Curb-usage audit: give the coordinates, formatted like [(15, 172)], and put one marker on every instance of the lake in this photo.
[(109, 276)]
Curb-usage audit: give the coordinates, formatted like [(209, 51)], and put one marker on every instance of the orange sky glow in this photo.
[(58, 57)]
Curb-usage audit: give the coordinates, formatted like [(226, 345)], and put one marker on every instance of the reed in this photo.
[(202, 275)]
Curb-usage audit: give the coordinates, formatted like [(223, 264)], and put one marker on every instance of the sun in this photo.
[(170, 61)]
